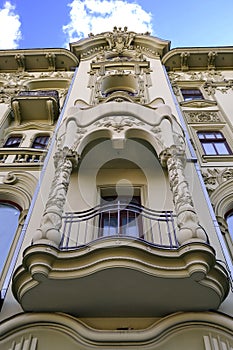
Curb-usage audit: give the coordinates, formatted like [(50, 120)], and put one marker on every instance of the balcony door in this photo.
[(120, 215)]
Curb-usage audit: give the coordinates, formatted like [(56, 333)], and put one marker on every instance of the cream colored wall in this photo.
[(83, 189)]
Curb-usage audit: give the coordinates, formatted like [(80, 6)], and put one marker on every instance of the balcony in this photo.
[(118, 220), (38, 105), (120, 261), (21, 156)]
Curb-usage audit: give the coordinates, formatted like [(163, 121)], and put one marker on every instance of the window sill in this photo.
[(217, 158)]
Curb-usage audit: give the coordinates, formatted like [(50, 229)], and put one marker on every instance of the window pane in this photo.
[(221, 148), (13, 141), (210, 136), (9, 216), (219, 135), (191, 94), (209, 148), (40, 142), (230, 224)]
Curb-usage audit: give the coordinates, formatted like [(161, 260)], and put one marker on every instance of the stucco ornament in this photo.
[(119, 39), (187, 220), (52, 218)]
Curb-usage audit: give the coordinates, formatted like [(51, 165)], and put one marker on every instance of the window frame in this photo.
[(217, 139), (109, 192), (12, 145), (191, 96), (42, 145)]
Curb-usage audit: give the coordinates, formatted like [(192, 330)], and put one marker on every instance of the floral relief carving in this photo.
[(214, 177), (187, 220), (202, 117), (52, 219), (118, 123)]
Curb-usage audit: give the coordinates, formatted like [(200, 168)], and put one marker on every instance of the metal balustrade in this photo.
[(119, 220)]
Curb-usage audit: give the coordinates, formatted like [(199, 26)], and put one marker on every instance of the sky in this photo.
[(28, 24)]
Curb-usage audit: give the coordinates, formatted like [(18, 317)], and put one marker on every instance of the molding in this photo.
[(203, 280), (157, 333), (198, 103)]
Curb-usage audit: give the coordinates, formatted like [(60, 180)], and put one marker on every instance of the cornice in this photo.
[(199, 58), (108, 41), (37, 60)]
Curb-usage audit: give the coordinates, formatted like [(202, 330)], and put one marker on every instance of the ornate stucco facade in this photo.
[(116, 170)]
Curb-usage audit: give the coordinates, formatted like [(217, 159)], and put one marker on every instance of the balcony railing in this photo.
[(40, 93), (21, 155), (119, 220)]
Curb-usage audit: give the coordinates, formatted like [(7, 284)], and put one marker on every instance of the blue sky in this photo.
[(55, 23)]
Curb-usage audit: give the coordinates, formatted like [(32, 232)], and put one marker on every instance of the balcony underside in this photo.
[(44, 104), (120, 278)]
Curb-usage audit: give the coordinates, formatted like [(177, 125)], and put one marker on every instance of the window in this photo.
[(213, 143), (120, 215), (13, 141), (191, 94), (9, 216), (40, 142), (229, 220)]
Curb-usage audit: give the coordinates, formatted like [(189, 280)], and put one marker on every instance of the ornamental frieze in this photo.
[(202, 117), (118, 123)]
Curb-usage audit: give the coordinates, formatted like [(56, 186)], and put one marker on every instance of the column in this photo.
[(189, 228), (51, 222)]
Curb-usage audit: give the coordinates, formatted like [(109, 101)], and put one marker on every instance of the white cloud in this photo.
[(97, 16), (10, 24)]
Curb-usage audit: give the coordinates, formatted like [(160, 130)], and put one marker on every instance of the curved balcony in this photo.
[(119, 220), (119, 260)]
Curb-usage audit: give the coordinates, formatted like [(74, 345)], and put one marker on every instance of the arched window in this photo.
[(9, 218)]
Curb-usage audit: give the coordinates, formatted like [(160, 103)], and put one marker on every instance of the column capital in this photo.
[(172, 152)]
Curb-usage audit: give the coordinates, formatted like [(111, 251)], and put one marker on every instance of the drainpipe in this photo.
[(198, 171)]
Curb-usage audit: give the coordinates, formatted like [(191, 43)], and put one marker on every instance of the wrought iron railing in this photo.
[(119, 220)]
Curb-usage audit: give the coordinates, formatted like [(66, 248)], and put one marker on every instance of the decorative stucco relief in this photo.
[(13, 83), (202, 117), (214, 177), (118, 123), (212, 81), (52, 218), (187, 220)]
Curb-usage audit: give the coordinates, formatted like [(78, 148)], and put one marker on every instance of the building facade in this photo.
[(116, 199)]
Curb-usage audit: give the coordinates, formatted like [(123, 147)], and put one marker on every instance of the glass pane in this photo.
[(109, 225), (219, 135), (129, 224), (40, 142), (9, 216), (201, 135), (230, 224), (221, 148), (13, 141), (210, 135), (209, 148)]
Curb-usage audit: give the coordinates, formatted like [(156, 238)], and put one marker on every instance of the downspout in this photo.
[(223, 246)]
